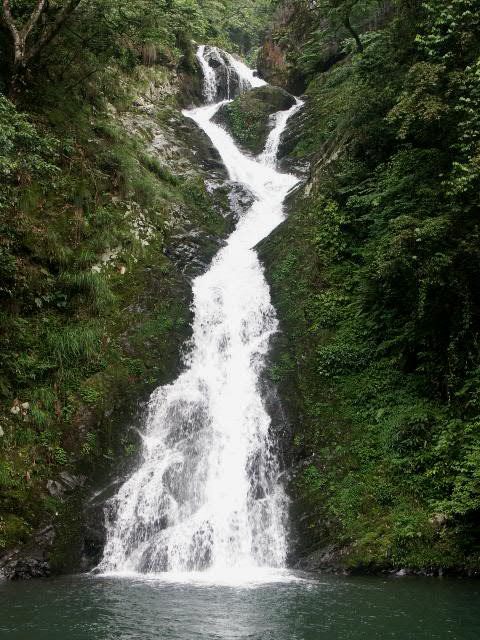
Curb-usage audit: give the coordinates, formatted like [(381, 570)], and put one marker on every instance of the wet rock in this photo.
[(292, 136), (184, 251), (70, 481), (24, 568), (227, 79), (66, 482), (199, 149), (94, 535), (55, 488), (329, 559), (30, 562), (240, 199)]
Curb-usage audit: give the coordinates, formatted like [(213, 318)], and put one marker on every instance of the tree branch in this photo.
[(8, 20), (348, 25), (32, 21), (20, 35), (51, 31)]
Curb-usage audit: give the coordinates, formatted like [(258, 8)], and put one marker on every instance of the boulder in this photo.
[(240, 199), (66, 482), (248, 117), (278, 99), (328, 559), (25, 563), (228, 82)]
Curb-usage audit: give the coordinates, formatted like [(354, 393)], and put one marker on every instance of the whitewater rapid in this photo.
[(207, 496)]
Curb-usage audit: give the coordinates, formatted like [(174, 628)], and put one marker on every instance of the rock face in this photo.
[(272, 64), (275, 97), (247, 118), (289, 161), (328, 559), (32, 561), (35, 559), (291, 29), (228, 82), (66, 482)]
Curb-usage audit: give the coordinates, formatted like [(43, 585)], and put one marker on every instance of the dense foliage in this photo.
[(75, 39), (376, 277)]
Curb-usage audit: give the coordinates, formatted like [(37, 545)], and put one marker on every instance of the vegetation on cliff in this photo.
[(247, 118), (104, 216), (375, 277)]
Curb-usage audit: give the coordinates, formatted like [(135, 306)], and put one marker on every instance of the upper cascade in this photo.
[(225, 77)]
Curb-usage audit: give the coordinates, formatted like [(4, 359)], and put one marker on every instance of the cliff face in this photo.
[(98, 249), (292, 26)]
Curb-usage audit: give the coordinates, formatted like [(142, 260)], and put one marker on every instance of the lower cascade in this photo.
[(207, 494)]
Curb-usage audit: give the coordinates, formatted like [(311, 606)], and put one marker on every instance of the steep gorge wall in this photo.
[(384, 430), (98, 261)]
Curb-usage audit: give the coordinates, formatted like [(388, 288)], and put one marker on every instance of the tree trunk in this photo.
[(348, 25), (23, 54)]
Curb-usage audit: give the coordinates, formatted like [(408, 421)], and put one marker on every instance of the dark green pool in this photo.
[(87, 608)]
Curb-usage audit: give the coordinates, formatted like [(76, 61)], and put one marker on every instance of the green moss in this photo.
[(13, 531), (248, 116)]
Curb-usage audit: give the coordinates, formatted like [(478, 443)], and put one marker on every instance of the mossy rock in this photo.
[(247, 117)]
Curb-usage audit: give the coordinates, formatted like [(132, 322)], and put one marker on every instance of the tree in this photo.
[(340, 11), (340, 15), (38, 29)]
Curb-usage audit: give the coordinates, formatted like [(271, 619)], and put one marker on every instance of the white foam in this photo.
[(207, 504)]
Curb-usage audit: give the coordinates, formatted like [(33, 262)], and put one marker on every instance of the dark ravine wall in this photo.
[(376, 380)]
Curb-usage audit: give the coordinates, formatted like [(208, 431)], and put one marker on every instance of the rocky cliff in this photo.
[(104, 308)]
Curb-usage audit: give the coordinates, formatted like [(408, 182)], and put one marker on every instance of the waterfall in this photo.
[(247, 78), (224, 76), (207, 495), (270, 153), (209, 77)]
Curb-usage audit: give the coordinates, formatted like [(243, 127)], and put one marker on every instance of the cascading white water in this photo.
[(237, 76), (247, 78), (207, 495), (209, 77), (270, 153)]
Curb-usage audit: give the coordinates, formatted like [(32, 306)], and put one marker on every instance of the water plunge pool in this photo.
[(303, 608)]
